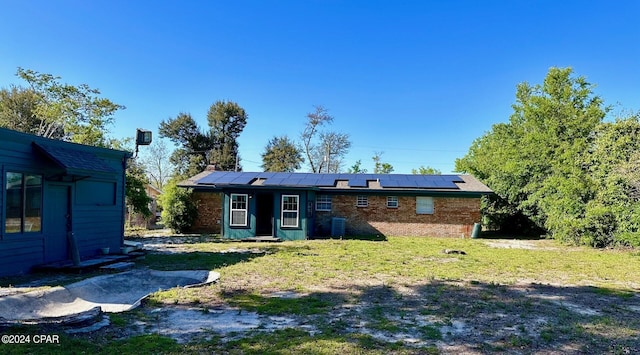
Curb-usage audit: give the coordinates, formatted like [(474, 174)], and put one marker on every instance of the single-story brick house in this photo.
[(292, 206), (60, 201)]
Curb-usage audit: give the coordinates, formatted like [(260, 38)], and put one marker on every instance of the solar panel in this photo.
[(357, 182), (389, 183), (445, 184), (243, 179), (308, 181), (418, 181), (298, 179), (455, 178), (267, 175), (224, 178), (274, 181), (293, 181), (329, 180), (210, 179)]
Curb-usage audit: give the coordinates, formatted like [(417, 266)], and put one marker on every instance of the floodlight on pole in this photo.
[(143, 137)]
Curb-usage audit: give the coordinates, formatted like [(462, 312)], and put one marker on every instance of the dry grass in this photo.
[(402, 295)]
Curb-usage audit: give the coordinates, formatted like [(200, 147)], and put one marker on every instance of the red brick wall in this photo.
[(209, 217), (453, 217)]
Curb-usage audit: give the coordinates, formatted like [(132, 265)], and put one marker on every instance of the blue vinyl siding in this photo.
[(94, 225)]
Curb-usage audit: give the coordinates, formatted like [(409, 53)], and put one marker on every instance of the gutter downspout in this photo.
[(124, 195)]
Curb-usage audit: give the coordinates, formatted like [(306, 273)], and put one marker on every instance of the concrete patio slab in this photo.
[(112, 293)]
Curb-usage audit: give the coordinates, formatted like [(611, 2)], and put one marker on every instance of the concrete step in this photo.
[(121, 266)]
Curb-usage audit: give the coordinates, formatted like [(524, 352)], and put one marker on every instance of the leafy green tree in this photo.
[(379, 166), (191, 156), (422, 170), (534, 162), (226, 121), (136, 194), (178, 209), (55, 110), (558, 163), (61, 111), (282, 154), (198, 148), (356, 168), (612, 216), (17, 109), (136, 198)]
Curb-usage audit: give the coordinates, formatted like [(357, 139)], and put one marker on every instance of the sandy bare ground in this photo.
[(455, 316)]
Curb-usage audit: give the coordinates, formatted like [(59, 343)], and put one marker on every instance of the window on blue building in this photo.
[(23, 208), (290, 211)]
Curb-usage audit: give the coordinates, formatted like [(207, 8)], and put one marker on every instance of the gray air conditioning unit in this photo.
[(337, 226)]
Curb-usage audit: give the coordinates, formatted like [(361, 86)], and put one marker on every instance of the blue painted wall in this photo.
[(97, 201), (284, 233), (238, 232), (291, 233)]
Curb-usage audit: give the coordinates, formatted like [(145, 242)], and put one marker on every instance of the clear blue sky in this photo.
[(418, 80)]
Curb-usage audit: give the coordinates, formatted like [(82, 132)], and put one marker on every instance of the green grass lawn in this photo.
[(522, 300), (308, 265)]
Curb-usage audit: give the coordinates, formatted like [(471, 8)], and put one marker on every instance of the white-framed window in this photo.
[(424, 205), (323, 202), (290, 211), (392, 201), (238, 212), (362, 201)]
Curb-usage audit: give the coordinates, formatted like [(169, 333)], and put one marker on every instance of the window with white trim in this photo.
[(424, 205), (362, 201), (238, 212), (290, 211), (392, 201), (323, 203)]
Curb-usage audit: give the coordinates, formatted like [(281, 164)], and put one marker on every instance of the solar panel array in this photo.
[(330, 180)]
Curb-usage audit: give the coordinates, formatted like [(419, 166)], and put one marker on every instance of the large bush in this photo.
[(178, 210), (558, 163)]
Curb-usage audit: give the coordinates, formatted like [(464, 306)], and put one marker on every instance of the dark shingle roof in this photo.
[(343, 181), (74, 159)]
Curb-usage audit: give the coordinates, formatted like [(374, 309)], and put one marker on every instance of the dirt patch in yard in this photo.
[(453, 316), (520, 244)]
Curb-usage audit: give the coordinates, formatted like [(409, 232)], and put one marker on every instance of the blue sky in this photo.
[(417, 80)]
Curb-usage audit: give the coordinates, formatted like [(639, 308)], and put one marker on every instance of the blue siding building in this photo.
[(60, 201)]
